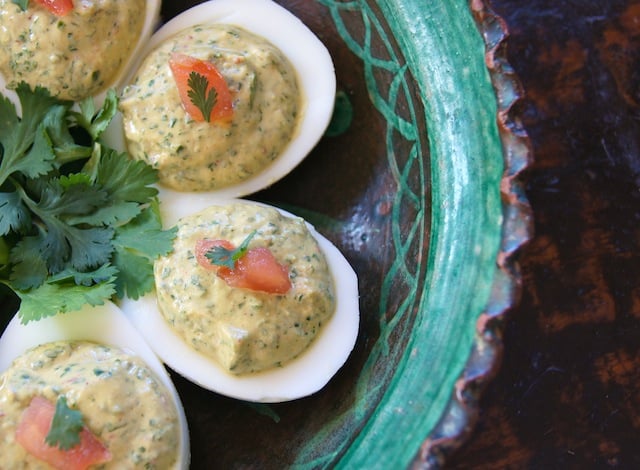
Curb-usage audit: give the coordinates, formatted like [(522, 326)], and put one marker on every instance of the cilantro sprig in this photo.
[(198, 95), (66, 426), (73, 212), (221, 256)]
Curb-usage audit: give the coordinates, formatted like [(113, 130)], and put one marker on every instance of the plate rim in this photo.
[(500, 229), (462, 412)]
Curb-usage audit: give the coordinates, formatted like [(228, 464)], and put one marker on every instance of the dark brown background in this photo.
[(568, 392)]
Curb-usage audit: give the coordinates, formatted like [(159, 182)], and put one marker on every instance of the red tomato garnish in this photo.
[(256, 270), (33, 429), (57, 7), (181, 67)]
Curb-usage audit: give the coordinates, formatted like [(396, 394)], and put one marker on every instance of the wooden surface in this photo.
[(567, 394)]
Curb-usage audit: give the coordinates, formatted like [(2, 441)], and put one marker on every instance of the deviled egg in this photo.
[(227, 98), (75, 49), (96, 362), (235, 336)]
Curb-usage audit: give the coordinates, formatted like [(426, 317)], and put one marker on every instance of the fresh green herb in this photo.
[(221, 256), (198, 95), (73, 212), (136, 245), (23, 4), (65, 426)]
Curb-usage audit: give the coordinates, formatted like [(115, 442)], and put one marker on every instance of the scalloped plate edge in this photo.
[(461, 414)]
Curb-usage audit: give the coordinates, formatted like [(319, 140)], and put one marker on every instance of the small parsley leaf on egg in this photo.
[(221, 256), (66, 203), (65, 426), (203, 100)]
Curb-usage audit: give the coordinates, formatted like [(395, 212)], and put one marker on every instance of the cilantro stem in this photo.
[(24, 196)]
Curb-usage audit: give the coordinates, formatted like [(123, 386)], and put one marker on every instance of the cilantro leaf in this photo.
[(61, 243), (221, 256), (52, 298), (40, 158), (65, 426), (137, 278), (29, 268), (105, 273), (74, 234), (95, 123), (14, 215), (137, 244), (67, 196), (198, 95), (64, 144), (8, 118), (17, 135), (125, 179), (111, 212)]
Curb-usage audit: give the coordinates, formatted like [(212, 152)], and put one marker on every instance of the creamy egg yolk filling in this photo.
[(121, 400), (242, 329), (191, 155), (74, 56)]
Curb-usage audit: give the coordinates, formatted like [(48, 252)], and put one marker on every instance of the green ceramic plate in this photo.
[(417, 183)]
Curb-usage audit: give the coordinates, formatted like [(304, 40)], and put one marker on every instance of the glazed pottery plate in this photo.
[(416, 181)]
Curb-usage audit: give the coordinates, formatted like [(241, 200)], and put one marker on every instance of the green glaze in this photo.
[(440, 49), (445, 54)]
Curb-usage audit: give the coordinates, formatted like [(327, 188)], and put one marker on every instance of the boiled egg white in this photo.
[(105, 324), (151, 21), (307, 54), (303, 376)]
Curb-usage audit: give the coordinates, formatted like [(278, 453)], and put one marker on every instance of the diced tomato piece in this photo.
[(33, 429), (181, 67), (256, 270), (57, 7)]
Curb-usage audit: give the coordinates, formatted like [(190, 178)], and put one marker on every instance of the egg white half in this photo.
[(105, 324), (304, 376), (151, 20), (308, 55)]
